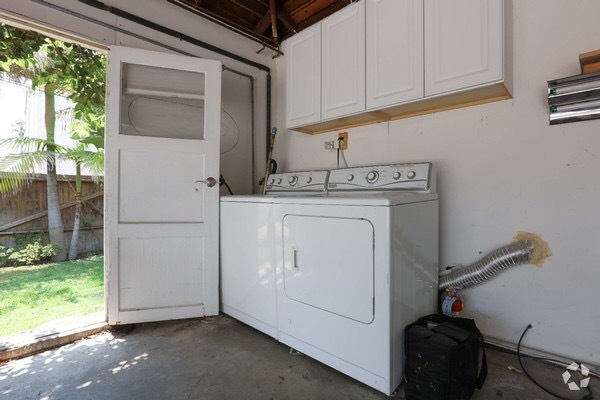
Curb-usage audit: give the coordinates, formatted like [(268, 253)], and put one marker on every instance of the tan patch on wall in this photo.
[(541, 249)]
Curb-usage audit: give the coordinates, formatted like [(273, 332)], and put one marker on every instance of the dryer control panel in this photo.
[(413, 177), (305, 181)]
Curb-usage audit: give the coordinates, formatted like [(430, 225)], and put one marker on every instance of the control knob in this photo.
[(411, 175), (293, 180), (278, 181), (272, 181), (396, 175), (350, 178), (372, 176), (308, 180)]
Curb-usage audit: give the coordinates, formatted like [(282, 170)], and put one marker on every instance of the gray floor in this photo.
[(219, 359)]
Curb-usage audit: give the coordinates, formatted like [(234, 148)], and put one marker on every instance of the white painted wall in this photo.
[(502, 169), (236, 95)]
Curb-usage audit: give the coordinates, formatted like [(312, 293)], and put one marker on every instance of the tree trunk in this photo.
[(75, 237), (55, 224)]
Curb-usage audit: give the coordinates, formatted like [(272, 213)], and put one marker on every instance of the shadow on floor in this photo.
[(219, 359)]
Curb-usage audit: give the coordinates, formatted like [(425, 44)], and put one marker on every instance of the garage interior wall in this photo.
[(503, 169), (236, 94)]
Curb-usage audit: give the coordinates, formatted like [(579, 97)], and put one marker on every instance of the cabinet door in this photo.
[(463, 44), (303, 80), (344, 62), (394, 51)]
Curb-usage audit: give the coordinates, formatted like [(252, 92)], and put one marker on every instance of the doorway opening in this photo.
[(51, 185)]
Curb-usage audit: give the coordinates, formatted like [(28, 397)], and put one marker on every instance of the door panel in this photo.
[(158, 267), (161, 219), (149, 193), (325, 256)]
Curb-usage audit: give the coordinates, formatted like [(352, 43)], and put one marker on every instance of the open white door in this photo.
[(161, 186)]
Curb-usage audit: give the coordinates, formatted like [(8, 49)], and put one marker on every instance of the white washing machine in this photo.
[(356, 266), (247, 270)]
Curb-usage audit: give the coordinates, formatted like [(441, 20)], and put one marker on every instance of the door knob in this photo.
[(210, 181)]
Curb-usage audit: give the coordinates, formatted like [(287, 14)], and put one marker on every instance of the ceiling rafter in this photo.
[(285, 18), (255, 7), (268, 21), (273, 12)]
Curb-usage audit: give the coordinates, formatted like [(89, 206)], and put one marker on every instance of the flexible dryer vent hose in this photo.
[(498, 260)]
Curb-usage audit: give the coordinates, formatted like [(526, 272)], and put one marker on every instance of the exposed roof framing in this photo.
[(267, 21)]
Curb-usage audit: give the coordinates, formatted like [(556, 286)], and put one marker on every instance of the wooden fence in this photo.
[(26, 212)]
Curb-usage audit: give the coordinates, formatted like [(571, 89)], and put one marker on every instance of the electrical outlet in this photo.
[(330, 145), (343, 140)]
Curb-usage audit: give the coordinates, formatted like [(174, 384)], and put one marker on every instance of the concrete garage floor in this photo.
[(218, 359)]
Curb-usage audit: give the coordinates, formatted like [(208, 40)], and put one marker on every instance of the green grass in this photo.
[(31, 296)]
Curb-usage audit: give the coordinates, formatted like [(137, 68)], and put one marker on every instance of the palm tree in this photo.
[(45, 153), (56, 68), (94, 161), (31, 154)]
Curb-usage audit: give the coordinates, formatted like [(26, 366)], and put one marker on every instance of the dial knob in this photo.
[(308, 180), (293, 180), (396, 175), (350, 178), (372, 176), (278, 181), (411, 175), (272, 181)]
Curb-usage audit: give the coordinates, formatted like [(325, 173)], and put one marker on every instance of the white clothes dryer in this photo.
[(356, 266)]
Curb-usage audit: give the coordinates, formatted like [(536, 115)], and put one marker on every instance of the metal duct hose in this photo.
[(484, 269)]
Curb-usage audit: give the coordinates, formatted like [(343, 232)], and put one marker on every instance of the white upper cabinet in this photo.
[(463, 44), (303, 80), (394, 34), (343, 63), (378, 60)]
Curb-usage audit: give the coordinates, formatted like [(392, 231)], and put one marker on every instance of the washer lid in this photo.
[(381, 199), (249, 198)]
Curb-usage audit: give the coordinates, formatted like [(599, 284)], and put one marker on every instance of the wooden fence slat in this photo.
[(66, 229), (42, 214)]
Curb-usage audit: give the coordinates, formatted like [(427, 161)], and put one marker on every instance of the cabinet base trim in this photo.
[(466, 98)]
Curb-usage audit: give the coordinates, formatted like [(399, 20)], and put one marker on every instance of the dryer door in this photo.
[(329, 264)]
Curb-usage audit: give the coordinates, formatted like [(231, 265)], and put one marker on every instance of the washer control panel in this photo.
[(415, 177), (305, 181)]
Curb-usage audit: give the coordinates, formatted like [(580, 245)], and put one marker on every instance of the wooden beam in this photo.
[(293, 6), (285, 18), (310, 15), (273, 12), (251, 6), (263, 24), (42, 214)]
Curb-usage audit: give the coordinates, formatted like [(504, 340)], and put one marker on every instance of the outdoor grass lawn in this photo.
[(31, 296)]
